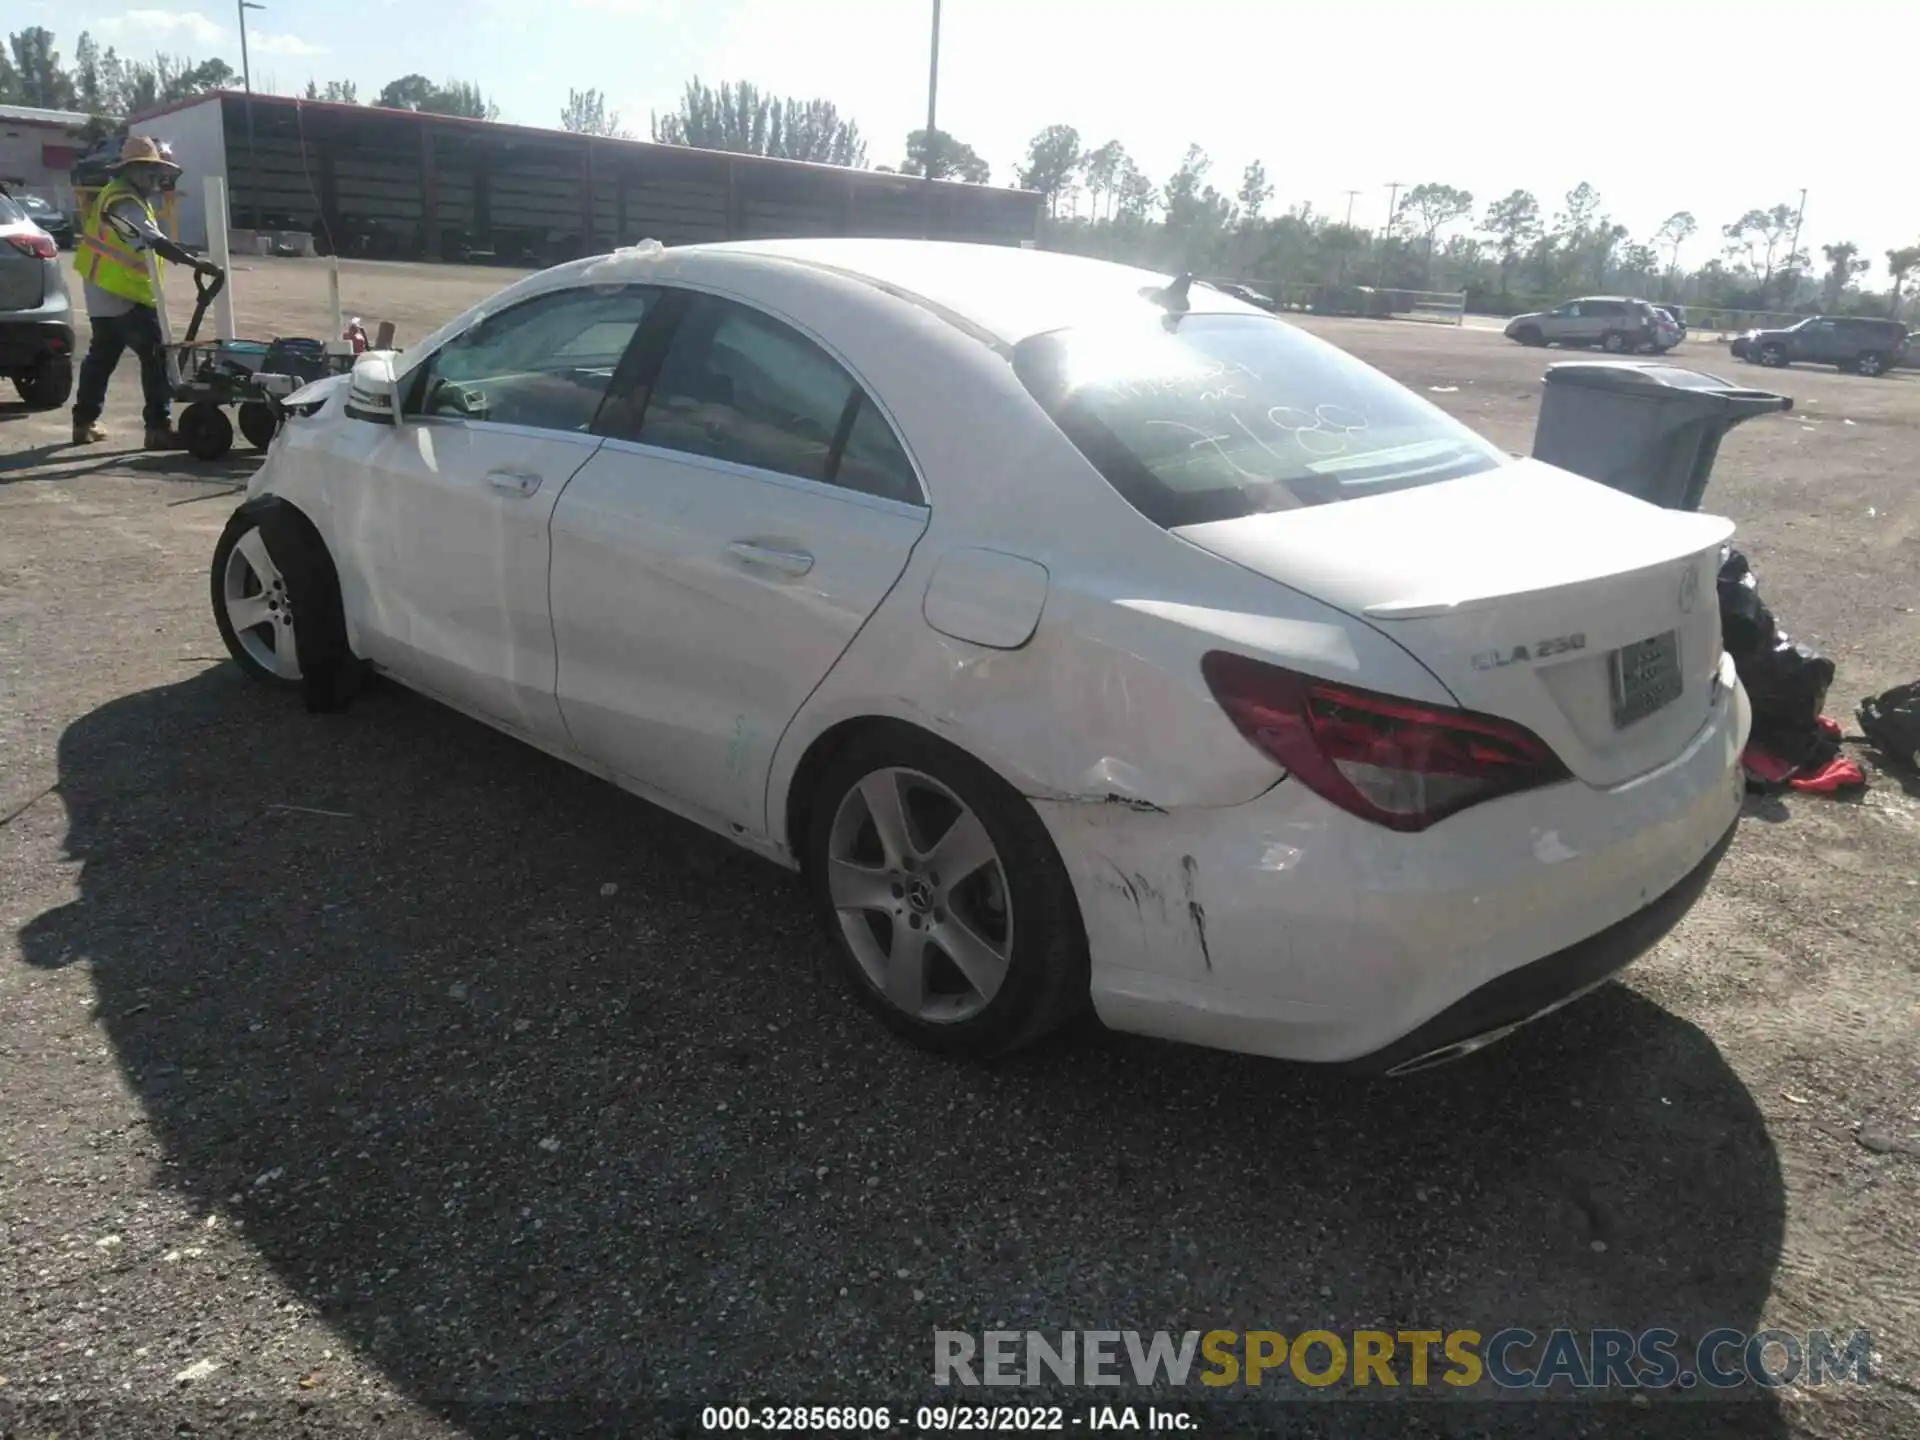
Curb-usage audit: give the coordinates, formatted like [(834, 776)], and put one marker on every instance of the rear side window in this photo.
[(1217, 416), (10, 211), (740, 386)]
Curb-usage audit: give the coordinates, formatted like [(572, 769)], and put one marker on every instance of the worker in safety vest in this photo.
[(120, 229)]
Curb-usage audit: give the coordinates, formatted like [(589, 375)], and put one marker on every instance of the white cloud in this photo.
[(283, 45), (185, 26)]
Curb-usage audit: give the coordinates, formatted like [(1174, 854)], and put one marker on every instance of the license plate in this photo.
[(1646, 678)]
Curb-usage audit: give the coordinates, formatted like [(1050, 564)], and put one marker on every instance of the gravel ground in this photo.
[(372, 1074)]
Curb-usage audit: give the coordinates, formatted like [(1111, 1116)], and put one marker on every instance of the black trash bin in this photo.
[(1648, 428)]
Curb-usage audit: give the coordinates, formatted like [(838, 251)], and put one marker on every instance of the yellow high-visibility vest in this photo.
[(106, 259)]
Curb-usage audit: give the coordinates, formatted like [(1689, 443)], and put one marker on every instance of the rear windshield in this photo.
[(1211, 417)]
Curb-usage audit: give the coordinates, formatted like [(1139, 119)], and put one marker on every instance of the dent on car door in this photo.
[(458, 497), (751, 508)]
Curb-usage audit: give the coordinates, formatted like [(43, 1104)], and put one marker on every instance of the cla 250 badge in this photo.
[(1522, 654)]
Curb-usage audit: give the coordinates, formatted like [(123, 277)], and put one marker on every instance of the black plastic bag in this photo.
[(1891, 721), (1785, 681)]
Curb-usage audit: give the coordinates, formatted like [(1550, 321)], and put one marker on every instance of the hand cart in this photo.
[(209, 376)]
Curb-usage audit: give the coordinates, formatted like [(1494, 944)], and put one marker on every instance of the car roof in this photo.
[(1008, 292)]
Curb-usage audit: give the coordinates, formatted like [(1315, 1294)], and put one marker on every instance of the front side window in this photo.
[(1212, 417), (545, 362), (740, 386)]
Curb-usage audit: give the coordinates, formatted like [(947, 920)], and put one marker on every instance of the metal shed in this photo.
[(396, 184)]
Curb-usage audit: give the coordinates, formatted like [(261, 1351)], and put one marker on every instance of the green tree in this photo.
[(740, 119), (463, 98), (87, 92), (945, 159), (1133, 192), (338, 92), (1675, 231), (1254, 190), (1101, 169), (1900, 264), (1052, 158), (1845, 264), (1514, 223), (38, 78), (1431, 207), (1583, 203), (1758, 237), (409, 92), (585, 113)]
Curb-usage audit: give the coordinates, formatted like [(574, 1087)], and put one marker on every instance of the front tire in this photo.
[(1614, 342), (1530, 336), (47, 384), (1773, 357), (948, 907), (251, 606), (207, 430)]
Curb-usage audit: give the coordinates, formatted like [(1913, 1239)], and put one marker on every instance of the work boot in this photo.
[(87, 432), (164, 437)]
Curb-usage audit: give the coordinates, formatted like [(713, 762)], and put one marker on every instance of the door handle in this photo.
[(514, 482), (787, 562)]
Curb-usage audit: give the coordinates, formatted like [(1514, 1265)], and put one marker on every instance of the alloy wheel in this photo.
[(259, 608), (921, 895)]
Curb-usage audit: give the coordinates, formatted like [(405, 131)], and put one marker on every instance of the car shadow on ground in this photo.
[(523, 1138)]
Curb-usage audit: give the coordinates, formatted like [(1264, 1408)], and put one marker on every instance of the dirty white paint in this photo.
[(1028, 615)]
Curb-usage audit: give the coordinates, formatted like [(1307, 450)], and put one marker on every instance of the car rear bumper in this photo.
[(28, 341), (1286, 927)]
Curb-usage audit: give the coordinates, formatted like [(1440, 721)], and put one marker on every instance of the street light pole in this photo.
[(927, 151), (246, 79)]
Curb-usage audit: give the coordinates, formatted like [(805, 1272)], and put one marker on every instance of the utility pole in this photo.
[(1342, 279), (1793, 246), (1393, 203), (246, 79), (933, 95)]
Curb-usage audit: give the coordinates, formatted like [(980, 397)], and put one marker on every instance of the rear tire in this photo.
[(207, 430), (1871, 363), (975, 963), (46, 385)]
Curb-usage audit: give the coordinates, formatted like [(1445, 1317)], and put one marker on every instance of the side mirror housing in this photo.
[(373, 391)]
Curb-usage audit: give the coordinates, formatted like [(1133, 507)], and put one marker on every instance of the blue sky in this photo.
[(1659, 105)]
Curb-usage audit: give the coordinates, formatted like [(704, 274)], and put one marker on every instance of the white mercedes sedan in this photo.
[(1085, 636)]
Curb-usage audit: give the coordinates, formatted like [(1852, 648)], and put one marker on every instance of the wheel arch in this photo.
[(795, 807)]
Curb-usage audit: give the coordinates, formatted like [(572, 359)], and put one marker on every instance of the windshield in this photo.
[(1221, 416)]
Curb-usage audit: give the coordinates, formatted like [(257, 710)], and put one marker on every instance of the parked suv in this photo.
[(1847, 342), (36, 319), (1616, 325)]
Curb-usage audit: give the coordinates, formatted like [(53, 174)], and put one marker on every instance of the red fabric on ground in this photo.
[(1831, 726), (1839, 773)]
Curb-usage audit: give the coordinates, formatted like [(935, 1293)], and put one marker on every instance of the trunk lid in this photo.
[(1582, 613)]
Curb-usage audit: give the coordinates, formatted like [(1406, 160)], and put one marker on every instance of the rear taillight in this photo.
[(34, 244), (1394, 762)]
